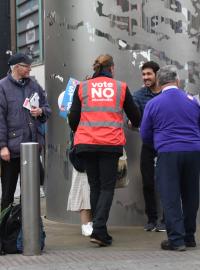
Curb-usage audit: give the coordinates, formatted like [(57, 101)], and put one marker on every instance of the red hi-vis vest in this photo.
[(101, 121)]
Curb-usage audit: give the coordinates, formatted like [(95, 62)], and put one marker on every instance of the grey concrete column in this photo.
[(133, 32), (30, 190)]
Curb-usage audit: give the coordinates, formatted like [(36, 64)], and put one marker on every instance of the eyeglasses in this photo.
[(24, 65)]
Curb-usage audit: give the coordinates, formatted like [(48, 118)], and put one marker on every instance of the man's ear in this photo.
[(178, 83)]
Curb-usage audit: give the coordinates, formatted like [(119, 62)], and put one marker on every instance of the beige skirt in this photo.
[(79, 195)]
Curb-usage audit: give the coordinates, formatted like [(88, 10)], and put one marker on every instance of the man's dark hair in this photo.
[(151, 64)]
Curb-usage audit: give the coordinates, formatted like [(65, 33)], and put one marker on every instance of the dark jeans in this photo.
[(147, 157), (101, 169), (178, 183)]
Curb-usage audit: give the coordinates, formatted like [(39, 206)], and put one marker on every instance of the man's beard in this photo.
[(150, 84)]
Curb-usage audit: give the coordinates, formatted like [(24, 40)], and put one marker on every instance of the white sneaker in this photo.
[(87, 229)]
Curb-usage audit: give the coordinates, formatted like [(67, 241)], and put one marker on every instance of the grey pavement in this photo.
[(132, 248)]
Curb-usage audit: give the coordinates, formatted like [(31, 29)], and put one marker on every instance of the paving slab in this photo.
[(132, 248)]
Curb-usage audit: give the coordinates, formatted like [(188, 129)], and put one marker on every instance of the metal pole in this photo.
[(30, 187)]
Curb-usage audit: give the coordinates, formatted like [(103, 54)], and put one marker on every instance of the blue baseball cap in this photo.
[(20, 58)]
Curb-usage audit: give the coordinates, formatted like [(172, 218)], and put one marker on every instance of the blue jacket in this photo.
[(141, 97), (16, 123)]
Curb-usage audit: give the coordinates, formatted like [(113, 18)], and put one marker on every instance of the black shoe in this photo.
[(102, 242), (160, 227), (190, 244), (2, 253), (109, 237), (150, 226), (166, 245)]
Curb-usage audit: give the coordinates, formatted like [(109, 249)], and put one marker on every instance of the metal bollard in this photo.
[(30, 196)]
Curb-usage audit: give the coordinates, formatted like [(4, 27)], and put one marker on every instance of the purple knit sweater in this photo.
[(171, 122)]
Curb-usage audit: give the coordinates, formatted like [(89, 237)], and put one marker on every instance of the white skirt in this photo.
[(79, 195)]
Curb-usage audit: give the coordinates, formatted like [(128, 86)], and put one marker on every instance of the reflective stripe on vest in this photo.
[(101, 124)]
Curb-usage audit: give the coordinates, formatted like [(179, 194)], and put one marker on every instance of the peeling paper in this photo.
[(56, 76), (52, 17)]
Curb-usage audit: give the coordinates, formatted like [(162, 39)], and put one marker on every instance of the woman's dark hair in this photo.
[(103, 63), (151, 64)]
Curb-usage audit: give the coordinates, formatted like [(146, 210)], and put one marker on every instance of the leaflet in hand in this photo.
[(32, 102)]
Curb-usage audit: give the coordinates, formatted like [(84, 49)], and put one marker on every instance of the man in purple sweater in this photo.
[(171, 122)]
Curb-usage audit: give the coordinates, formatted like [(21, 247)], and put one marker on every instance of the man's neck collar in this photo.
[(154, 90), (167, 87)]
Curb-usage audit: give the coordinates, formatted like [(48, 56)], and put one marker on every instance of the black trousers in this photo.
[(147, 168), (101, 169), (178, 183), (9, 176)]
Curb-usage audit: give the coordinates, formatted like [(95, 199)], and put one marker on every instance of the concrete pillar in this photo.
[(133, 32)]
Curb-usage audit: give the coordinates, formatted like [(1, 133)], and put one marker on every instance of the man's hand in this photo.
[(129, 124), (35, 112), (5, 153), (131, 127)]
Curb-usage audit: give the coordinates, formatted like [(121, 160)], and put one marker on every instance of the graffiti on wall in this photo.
[(165, 30)]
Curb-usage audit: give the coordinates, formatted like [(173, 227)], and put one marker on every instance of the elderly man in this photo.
[(171, 122), (19, 121)]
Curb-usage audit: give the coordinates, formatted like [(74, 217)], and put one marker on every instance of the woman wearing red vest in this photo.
[(96, 117)]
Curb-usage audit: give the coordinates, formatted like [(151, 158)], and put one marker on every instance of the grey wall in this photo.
[(76, 32)]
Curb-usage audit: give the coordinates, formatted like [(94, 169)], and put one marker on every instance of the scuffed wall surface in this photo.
[(76, 32)]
